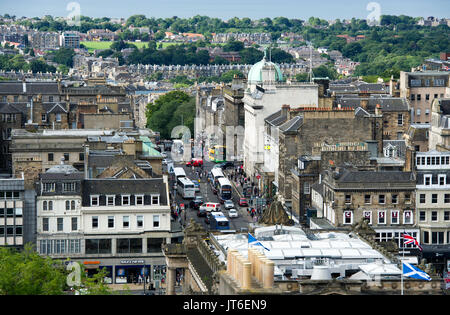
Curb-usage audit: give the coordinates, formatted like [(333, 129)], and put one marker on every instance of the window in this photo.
[(413, 97), (381, 199), (125, 200), (131, 245), (348, 199), (69, 187), (427, 180), (19, 212), (140, 221), (67, 204), (394, 199), (367, 199), (407, 198), (156, 221), (306, 188), (45, 224), (400, 119), (434, 198), (426, 237), (50, 205), (437, 238), (419, 97), (58, 117), (81, 157), (66, 156), (44, 117), (60, 224), (422, 216), (394, 217), (49, 187), (111, 200), (422, 198), (126, 222), (407, 217), (348, 217), (155, 199), (72, 204), (110, 222), (139, 200), (427, 97), (442, 180), (95, 201), (50, 157), (44, 205), (74, 224), (95, 222), (381, 217), (50, 98), (98, 246), (434, 216), (368, 216), (447, 217), (439, 82)]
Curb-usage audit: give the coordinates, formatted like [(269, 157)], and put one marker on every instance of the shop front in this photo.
[(92, 267), (132, 271)]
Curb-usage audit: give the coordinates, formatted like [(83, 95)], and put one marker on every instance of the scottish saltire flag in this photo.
[(254, 241), (414, 272), (409, 239)]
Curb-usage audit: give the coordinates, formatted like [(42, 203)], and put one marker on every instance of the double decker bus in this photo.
[(218, 154), (216, 174), (179, 172), (224, 189)]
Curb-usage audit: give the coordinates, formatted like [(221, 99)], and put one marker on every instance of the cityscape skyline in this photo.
[(345, 9)]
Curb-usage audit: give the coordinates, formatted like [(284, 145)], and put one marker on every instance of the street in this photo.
[(238, 224)]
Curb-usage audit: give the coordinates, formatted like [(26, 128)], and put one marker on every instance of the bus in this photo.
[(216, 174), (218, 154), (185, 188), (218, 221), (179, 172), (224, 189)]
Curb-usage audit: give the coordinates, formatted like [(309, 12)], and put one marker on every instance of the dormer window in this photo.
[(155, 199), (110, 200), (125, 200), (95, 200)]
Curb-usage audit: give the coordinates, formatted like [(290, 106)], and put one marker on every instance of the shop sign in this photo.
[(132, 262), (95, 262)]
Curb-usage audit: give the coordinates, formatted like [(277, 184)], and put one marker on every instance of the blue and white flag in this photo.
[(414, 272), (253, 241)]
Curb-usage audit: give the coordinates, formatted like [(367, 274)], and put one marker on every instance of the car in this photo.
[(195, 162), (201, 212), (210, 207), (228, 204), (243, 202), (196, 203), (233, 213), (164, 161), (207, 221)]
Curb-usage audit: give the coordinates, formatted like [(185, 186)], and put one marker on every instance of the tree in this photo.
[(233, 45), (64, 56), (27, 273), (250, 55)]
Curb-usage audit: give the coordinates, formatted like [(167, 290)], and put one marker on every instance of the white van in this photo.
[(210, 207)]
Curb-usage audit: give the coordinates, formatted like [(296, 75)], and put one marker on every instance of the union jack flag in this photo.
[(409, 239)]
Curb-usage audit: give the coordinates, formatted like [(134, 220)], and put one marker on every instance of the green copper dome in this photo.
[(255, 73)]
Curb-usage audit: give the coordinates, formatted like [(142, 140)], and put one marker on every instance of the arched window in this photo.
[(73, 204), (44, 205), (50, 205), (67, 205)]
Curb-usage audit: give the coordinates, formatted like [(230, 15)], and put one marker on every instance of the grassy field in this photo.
[(91, 46)]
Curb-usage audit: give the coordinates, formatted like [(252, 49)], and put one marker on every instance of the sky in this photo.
[(225, 9)]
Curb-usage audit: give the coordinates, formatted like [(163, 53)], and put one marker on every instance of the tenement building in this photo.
[(116, 224), (440, 125), (433, 205), (385, 199)]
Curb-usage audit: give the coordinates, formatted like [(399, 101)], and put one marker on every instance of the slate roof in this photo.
[(387, 103), (276, 119), (376, 177), (34, 88), (146, 186), (292, 125), (434, 176), (7, 108)]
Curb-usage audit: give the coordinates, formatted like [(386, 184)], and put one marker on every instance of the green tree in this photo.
[(27, 273), (64, 56)]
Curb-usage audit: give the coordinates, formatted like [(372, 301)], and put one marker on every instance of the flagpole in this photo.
[(403, 254)]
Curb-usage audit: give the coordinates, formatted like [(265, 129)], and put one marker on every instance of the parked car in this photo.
[(195, 162), (196, 203), (243, 202), (228, 204), (233, 213)]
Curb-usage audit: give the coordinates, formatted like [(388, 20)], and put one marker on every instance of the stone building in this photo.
[(440, 125), (421, 89), (385, 199), (433, 205)]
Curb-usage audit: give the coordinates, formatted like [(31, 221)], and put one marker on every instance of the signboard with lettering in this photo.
[(132, 262)]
